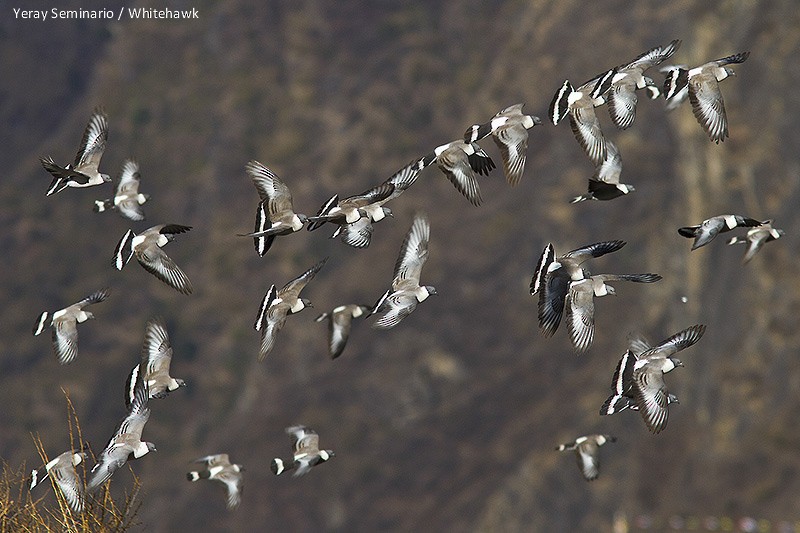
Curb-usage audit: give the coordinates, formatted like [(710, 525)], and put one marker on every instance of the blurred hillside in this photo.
[(447, 422)]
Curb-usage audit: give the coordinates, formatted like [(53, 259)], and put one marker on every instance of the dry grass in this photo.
[(24, 510)]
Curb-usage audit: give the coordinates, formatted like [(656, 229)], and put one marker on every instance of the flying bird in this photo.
[(587, 451), (509, 130), (62, 471), (275, 214), (460, 161), (306, 452), (277, 305), (622, 395), (65, 325), (708, 105), (146, 246), (552, 277), (580, 303), (358, 234), (84, 171), (155, 363), (579, 104), (604, 183), (406, 292), (705, 232), (219, 468), (127, 200), (756, 238), (650, 390), (340, 320), (628, 78), (127, 439)]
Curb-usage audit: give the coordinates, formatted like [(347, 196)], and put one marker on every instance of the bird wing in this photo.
[(651, 397), (454, 162), (580, 314), (512, 140), (271, 189), (65, 339), (292, 289), (622, 101), (611, 167), (588, 460), (586, 128), (708, 105), (674, 344), (93, 143), (413, 251), (399, 305), (159, 264), (129, 178)]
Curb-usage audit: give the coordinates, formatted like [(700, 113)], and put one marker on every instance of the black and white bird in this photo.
[(218, 467), (604, 183), (630, 77), (587, 451), (340, 319), (127, 200), (580, 303), (622, 395), (127, 439), (358, 234), (509, 130), (84, 171), (650, 390), (146, 246), (278, 304), (65, 325), (678, 95), (155, 363), (705, 232), (552, 277), (406, 292), (708, 105), (306, 452), (460, 161), (579, 104), (62, 471), (756, 238), (275, 214)]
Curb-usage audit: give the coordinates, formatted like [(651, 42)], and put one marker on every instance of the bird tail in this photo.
[(318, 220), (102, 205), (124, 250), (560, 104), (278, 466), (194, 475)]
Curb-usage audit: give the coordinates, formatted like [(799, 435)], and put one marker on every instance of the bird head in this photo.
[(106, 178)]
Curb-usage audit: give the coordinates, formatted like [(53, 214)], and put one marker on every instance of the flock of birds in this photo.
[(563, 285)]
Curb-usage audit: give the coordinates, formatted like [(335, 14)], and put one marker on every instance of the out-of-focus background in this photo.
[(450, 420)]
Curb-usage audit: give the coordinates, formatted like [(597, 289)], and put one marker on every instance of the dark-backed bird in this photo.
[(155, 363), (604, 183), (552, 277), (84, 171), (580, 303), (127, 439), (587, 451), (218, 467), (406, 292), (275, 214), (509, 130), (705, 232), (340, 320), (65, 325), (127, 199), (62, 471), (306, 452), (278, 304), (146, 246), (757, 237), (708, 105)]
